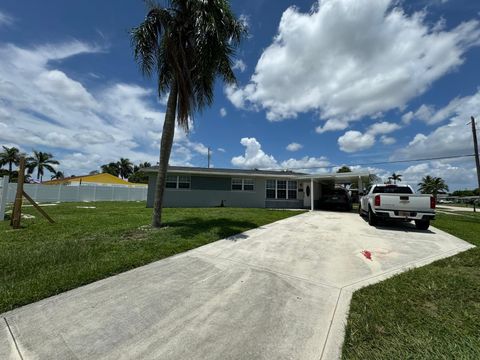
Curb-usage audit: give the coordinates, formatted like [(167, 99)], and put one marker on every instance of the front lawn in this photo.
[(428, 313), (87, 244)]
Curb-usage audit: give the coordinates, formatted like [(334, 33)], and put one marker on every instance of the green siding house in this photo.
[(210, 187)]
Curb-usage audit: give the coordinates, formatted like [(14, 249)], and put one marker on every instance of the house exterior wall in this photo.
[(209, 191)]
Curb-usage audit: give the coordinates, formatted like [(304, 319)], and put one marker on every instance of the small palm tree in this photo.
[(432, 185), (111, 168), (58, 175), (125, 168), (41, 161), (395, 178), (9, 156), (187, 45), (145, 164)]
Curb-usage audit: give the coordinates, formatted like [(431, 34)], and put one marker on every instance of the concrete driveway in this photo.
[(277, 292)]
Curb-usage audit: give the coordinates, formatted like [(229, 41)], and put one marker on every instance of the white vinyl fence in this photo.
[(64, 193)]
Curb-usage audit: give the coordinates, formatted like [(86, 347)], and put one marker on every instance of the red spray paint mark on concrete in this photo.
[(367, 254)]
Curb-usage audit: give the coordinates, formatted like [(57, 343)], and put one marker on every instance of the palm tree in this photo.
[(10, 156), (395, 178), (58, 175), (145, 164), (187, 45), (125, 168), (41, 161), (111, 168), (432, 185)]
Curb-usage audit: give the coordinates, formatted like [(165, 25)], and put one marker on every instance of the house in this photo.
[(102, 179), (209, 187)]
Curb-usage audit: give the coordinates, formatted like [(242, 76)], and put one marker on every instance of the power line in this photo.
[(385, 162)]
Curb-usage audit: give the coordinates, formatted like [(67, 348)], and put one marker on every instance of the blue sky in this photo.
[(320, 84)]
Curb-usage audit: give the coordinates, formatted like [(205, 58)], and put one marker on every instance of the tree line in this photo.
[(38, 162)]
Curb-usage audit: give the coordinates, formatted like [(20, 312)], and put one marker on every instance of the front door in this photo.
[(307, 191)]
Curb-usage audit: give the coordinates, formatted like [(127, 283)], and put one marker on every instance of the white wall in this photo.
[(62, 193)]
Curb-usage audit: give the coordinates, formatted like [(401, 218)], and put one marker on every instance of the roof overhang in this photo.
[(338, 178), (212, 172)]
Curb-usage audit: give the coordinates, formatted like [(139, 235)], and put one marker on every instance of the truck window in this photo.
[(392, 189)]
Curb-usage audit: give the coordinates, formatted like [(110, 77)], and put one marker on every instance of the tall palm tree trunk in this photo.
[(10, 168), (165, 150)]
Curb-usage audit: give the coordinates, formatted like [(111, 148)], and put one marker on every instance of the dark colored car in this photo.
[(337, 199)]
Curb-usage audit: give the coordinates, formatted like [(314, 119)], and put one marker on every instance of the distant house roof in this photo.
[(220, 171), (103, 178)]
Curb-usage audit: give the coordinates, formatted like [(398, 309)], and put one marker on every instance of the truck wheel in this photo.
[(372, 219), (422, 224)]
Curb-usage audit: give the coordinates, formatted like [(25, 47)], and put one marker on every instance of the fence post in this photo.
[(3, 197), (35, 192)]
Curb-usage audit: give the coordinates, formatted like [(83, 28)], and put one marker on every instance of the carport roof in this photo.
[(336, 177)]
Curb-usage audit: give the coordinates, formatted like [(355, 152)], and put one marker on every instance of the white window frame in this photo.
[(286, 189), (177, 186), (241, 182)]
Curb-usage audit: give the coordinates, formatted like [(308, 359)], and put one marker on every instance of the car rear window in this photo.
[(392, 190)]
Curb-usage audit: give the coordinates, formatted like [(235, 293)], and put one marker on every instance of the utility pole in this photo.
[(208, 158), (475, 146)]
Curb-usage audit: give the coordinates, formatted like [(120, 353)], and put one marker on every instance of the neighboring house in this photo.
[(208, 187), (102, 179)]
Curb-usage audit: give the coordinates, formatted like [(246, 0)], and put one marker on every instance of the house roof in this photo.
[(220, 171), (335, 177), (102, 178)]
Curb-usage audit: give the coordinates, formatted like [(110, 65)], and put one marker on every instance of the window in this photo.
[(243, 184), (392, 189), (292, 189), (270, 189), (281, 189), (184, 182), (171, 182), (177, 182), (248, 184), (236, 184)]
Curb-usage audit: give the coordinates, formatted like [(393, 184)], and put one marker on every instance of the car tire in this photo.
[(360, 212), (422, 224), (372, 219)]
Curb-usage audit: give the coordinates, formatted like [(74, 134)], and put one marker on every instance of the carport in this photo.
[(312, 184)]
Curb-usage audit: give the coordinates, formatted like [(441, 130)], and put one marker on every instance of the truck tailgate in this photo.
[(405, 202)]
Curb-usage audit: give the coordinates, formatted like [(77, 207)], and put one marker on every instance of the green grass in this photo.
[(428, 313), (85, 245)]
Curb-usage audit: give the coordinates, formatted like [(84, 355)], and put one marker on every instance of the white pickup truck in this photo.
[(397, 202)]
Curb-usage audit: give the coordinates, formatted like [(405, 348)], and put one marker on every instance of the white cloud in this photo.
[(383, 128), (294, 146), (387, 140), (223, 112), (332, 125), (431, 116), (457, 176), (452, 138), (221, 150), (5, 19), (353, 141), (43, 108), (254, 156), (307, 164), (348, 59), (240, 65)]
